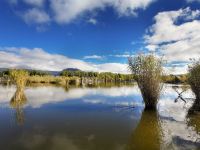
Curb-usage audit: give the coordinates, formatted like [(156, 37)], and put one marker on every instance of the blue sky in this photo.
[(97, 35)]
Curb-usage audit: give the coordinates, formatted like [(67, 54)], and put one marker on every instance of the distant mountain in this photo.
[(55, 73), (3, 69), (71, 69)]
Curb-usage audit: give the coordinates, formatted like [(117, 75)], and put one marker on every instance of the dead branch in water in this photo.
[(180, 96)]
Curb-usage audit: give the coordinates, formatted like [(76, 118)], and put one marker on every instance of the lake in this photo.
[(56, 118)]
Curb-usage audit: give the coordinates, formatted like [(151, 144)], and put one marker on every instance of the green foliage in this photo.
[(19, 77), (148, 71), (38, 73), (103, 76)]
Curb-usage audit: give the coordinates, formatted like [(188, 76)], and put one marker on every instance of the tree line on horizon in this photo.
[(109, 76)]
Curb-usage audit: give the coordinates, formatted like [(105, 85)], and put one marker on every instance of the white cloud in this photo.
[(121, 55), (92, 21), (176, 70), (176, 34), (126, 54), (37, 58), (151, 47), (115, 67), (127, 7), (190, 1), (36, 16), (93, 57), (66, 11), (165, 28)]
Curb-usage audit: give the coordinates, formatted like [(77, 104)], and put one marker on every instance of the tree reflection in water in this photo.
[(194, 122), (17, 102), (147, 133)]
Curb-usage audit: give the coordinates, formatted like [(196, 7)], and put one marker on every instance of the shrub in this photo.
[(194, 81), (148, 71), (19, 77)]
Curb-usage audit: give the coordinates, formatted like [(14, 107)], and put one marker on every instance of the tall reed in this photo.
[(19, 77), (148, 71)]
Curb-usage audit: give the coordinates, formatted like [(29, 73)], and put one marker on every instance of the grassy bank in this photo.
[(48, 79), (92, 78), (175, 79)]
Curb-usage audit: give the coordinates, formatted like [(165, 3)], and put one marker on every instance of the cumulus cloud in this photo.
[(37, 58), (176, 35), (165, 28), (66, 11)]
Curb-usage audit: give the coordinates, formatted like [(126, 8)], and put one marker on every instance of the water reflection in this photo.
[(147, 134), (194, 121), (95, 119), (176, 133), (39, 96), (17, 102)]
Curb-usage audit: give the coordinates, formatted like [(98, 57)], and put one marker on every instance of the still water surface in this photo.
[(54, 118)]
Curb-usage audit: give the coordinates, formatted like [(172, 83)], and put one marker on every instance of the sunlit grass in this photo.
[(19, 77), (59, 80)]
